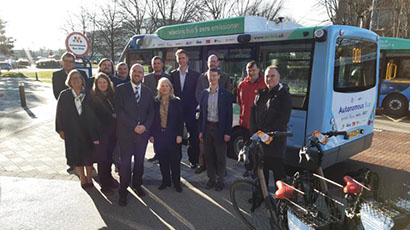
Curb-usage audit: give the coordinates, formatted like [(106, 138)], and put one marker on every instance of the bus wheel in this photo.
[(395, 105), (236, 143)]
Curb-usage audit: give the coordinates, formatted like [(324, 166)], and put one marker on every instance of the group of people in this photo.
[(111, 119)]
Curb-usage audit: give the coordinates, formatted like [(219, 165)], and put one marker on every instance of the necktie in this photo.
[(137, 95)]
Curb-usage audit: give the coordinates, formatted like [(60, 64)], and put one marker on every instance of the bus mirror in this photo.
[(244, 38), (320, 35)]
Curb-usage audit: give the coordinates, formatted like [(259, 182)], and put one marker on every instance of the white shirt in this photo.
[(78, 99), (134, 88), (182, 77)]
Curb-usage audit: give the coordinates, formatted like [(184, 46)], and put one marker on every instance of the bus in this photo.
[(331, 72), (394, 90)]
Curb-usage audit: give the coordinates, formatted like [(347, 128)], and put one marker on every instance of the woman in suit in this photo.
[(102, 103), (166, 133), (74, 124)]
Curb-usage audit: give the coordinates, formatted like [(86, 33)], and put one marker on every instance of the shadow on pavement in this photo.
[(391, 180)]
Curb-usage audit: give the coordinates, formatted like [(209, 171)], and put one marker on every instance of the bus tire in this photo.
[(236, 142), (395, 105)]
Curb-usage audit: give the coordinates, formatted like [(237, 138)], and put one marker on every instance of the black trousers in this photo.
[(276, 165), (129, 149), (105, 155), (215, 153), (193, 139)]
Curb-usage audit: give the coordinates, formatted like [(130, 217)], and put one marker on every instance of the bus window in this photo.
[(403, 72), (355, 65), (194, 54), (294, 63), (142, 57)]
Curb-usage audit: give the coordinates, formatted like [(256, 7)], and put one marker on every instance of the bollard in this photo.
[(22, 94), (36, 76)]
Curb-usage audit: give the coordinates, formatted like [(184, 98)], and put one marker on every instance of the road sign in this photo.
[(78, 44)]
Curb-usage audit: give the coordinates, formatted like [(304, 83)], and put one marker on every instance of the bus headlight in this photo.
[(320, 35)]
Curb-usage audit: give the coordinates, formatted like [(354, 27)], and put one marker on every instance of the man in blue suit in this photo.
[(215, 128), (135, 112), (184, 81)]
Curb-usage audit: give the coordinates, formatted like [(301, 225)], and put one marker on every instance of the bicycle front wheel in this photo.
[(250, 206)]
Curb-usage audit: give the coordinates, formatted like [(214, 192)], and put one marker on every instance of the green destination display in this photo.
[(388, 43), (203, 29)]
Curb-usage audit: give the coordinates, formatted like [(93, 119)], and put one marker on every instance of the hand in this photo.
[(96, 142), (179, 139), (151, 139), (201, 137), (140, 129), (227, 138), (61, 135)]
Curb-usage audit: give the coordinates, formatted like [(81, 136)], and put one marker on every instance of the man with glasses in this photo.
[(59, 77)]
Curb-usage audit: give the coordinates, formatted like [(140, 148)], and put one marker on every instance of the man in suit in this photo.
[(122, 75), (203, 83), (184, 81), (106, 66), (151, 81), (59, 77), (135, 112), (215, 128)]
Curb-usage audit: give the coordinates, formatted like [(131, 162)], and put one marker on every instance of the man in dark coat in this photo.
[(60, 76), (151, 81), (215, 128), (203, 83), (271, 112), (135, 112), (184, 81)]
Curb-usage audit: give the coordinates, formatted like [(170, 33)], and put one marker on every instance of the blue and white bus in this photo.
[(331, 71), (394, 92)]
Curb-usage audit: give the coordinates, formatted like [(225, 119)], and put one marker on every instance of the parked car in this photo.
[(5, 66)]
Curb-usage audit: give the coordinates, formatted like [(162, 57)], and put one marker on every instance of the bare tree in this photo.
[(134, 14), (110, 34), (264, 8), (217, 9)]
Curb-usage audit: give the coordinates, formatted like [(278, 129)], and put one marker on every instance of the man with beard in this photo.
[(135, 112)]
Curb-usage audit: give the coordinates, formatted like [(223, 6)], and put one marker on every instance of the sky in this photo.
[(38, 24)]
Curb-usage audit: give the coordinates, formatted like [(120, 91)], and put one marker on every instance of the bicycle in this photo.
[(250, 198)]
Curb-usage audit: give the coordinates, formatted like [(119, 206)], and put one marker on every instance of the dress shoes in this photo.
[(210, 184), (155, 158), (200, 169), (163, 186), (219, 186), (122, 201), (178, 188), (139, 191)]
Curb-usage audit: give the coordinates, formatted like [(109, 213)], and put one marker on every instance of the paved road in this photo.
[(36, 192)]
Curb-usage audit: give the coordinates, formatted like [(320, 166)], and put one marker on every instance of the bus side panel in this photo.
[(296, 125)]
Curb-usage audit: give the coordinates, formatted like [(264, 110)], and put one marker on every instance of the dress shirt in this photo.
[(213, 106), (182, 77)]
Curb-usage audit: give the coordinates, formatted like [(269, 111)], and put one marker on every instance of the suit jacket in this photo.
[(130, 113), (224, 112), (175, 124), (151, 82), (203, 83), (59, 78), (186, 92)]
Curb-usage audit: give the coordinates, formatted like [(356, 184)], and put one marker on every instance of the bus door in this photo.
[(395, 86), (294, 61)]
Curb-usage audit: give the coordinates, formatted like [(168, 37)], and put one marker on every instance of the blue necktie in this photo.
[(137, 95)]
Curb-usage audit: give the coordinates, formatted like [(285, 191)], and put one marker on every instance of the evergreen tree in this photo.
[(6, 43)]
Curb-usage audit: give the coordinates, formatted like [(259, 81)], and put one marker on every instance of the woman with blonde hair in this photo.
[(74, 124), (166, 133)]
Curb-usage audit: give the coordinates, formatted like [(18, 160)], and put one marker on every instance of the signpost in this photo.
[(78, 44)]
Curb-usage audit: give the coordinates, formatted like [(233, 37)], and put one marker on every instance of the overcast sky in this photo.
[(38, 23)]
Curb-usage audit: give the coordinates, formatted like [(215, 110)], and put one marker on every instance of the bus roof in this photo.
[(220, 27), (389, 43)]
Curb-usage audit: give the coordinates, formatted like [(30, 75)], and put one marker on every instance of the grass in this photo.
[(44, 76)]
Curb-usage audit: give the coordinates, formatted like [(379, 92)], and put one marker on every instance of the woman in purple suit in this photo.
[(166, 133)]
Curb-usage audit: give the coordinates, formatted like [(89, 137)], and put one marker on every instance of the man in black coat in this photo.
[(271, 112), (135, 112), (184, 81), (59, 77)]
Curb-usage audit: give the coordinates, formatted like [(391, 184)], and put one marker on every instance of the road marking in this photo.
[(394, 120)]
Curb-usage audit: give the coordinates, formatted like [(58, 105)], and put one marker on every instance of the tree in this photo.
[(134, 12), (6, 43)]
